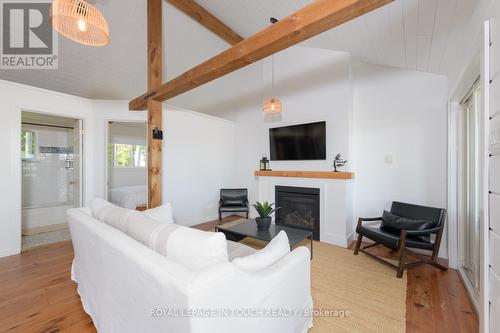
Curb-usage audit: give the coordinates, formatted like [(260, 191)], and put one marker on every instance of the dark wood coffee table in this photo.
[(248, 228)]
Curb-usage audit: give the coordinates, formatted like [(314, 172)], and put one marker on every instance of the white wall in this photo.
[(399, 115), (463, 50), (198, 161), (131, 132)]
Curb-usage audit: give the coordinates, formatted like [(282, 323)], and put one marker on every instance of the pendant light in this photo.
[(272, 104), (80, 22)]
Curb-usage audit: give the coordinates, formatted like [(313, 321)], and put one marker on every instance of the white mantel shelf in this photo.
[(306, 174)]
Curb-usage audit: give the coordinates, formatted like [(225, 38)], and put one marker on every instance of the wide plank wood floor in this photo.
[(37, 295)]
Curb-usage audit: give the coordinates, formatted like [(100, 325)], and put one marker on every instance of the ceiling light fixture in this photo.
[(80, 22), (272, 104)]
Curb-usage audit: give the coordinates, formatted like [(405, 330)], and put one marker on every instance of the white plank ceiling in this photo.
[(412, 34)]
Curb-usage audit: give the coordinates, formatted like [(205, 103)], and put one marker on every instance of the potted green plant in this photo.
[(265, 210)]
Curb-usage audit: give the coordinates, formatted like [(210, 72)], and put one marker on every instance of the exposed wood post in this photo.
[(155, 109)]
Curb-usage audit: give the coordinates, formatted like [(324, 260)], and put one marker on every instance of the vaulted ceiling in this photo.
[(412, 34)]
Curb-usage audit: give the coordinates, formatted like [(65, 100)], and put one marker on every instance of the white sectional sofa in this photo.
[(176, 279)]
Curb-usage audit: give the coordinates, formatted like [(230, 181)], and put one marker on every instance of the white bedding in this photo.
[(129, 197)]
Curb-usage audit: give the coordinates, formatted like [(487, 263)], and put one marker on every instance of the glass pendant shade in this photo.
[(272, 105), (80, 22)]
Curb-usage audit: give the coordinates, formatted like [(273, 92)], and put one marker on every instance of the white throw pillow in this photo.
[(152, 233), (99, 207), (277, 248), (110, 214), (197, 249), (161, 213), (117, 217)]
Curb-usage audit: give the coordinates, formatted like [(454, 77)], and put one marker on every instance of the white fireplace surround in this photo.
[(335, 207)]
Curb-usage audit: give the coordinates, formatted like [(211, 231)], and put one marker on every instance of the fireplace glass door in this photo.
[(299, 208)]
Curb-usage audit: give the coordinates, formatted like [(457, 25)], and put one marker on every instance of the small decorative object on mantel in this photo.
[(265, 210), (264, 163), (338, 162)]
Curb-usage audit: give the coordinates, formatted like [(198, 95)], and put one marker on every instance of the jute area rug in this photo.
[(352, 293)]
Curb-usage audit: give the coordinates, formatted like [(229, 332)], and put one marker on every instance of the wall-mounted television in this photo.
[(298, 142)]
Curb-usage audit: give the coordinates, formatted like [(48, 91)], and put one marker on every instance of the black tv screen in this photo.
[(298, 142)]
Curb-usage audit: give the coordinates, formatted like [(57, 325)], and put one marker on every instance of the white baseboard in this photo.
[(333, 239), (5, 253), (351, 238), (470, 289)]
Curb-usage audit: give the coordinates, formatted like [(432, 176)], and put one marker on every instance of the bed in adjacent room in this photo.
[(131, 197)]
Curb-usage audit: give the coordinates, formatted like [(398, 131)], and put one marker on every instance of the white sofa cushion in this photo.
[(161, 213), (277, 248), (197, 249)]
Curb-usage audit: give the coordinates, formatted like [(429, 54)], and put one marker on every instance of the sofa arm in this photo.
[(284, 285), (298, 259)]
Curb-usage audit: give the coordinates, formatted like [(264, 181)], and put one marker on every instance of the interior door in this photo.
[(470, 209)]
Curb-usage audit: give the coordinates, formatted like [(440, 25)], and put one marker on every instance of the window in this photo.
[(125, 155), (28, 145)]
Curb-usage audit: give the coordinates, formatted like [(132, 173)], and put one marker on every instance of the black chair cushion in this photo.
[(394, 224), (391, 239), (417, 212), (233, 208), (234, 202)]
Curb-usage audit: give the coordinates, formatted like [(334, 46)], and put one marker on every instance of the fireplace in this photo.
[(299, 208)]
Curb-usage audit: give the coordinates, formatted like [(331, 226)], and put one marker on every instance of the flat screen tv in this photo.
[(298, 142)]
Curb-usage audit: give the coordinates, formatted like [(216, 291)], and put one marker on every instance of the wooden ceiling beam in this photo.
[(317, 17), (192, 9)]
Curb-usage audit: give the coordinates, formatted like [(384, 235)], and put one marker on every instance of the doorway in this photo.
[(469, 230), (51, 175), (126, 164)]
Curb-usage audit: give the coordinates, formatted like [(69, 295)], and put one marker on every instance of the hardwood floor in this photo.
[(436, 301), (37, 295)]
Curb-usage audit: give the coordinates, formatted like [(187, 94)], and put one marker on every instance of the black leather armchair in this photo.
[(233, 200), (402, 240)]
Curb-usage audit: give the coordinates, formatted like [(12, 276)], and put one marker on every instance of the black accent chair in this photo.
[(407, 237), (233, 200)]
